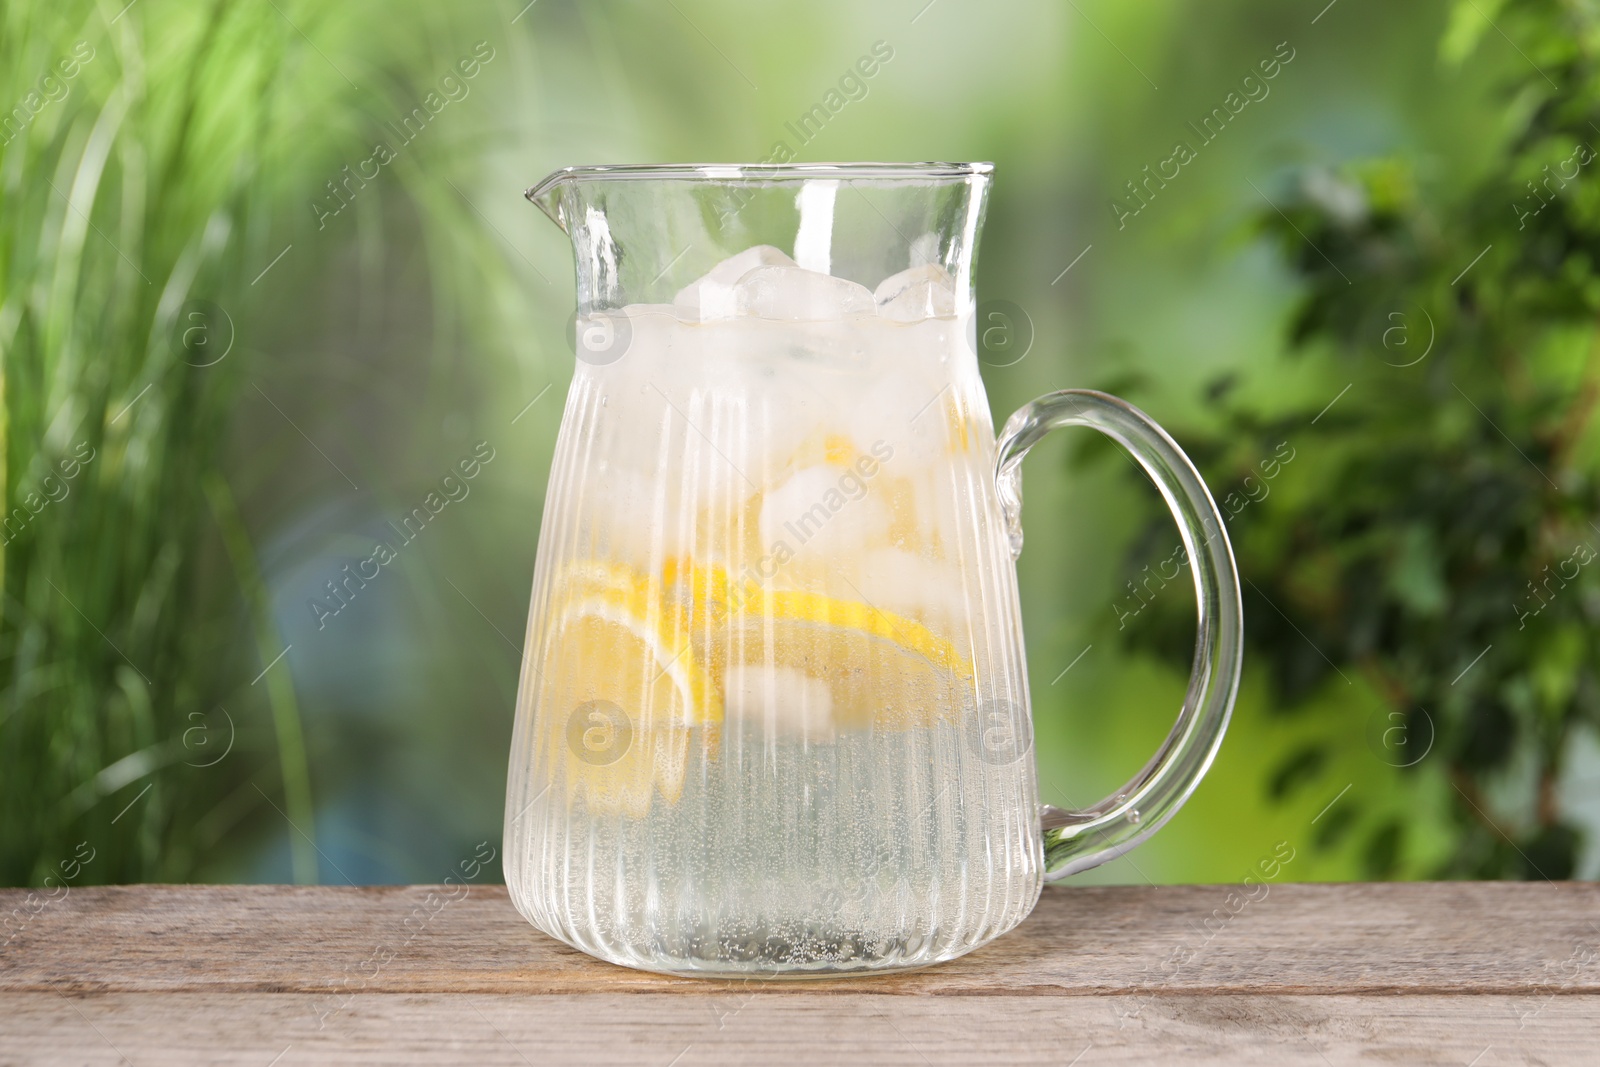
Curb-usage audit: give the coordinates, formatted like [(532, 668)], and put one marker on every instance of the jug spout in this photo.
[(642, 233), (546, 196)]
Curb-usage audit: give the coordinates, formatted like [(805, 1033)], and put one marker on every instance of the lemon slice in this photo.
[(622, 691), (641, 670), (882, 671)]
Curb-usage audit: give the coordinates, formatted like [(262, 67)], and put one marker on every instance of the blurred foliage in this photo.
[(1445, 558), (112, 224), (427, 314), (156, 165)]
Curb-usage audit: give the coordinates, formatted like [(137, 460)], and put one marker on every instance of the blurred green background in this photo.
[(269, 351)]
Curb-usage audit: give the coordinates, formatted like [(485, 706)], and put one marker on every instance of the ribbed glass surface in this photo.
[(773, 715)]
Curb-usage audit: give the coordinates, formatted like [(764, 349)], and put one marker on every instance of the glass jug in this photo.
[(773, 713)]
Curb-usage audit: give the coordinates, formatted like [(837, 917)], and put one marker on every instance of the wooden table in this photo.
[(1447, 973)]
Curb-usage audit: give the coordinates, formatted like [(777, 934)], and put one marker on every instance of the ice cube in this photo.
[(779, 701), (925, 249), (711, 295), (925, 292), (630, 510), (822, 510), (790, 294), (896, 284), (929, 590)]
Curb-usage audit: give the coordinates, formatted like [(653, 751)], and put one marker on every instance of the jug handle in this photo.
[(1077, 840)]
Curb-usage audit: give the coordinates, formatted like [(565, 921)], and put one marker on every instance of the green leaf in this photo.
[(1469, 19)]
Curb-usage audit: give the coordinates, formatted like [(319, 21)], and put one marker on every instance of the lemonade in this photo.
[(778, 718)]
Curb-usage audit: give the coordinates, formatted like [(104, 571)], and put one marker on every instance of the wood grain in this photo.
[(1456, 937), (272, 976), (669, 1030)]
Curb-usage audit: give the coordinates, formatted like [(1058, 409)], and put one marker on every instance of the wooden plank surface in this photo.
[(1450, 937), (667, 1030), (1449, 973)]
